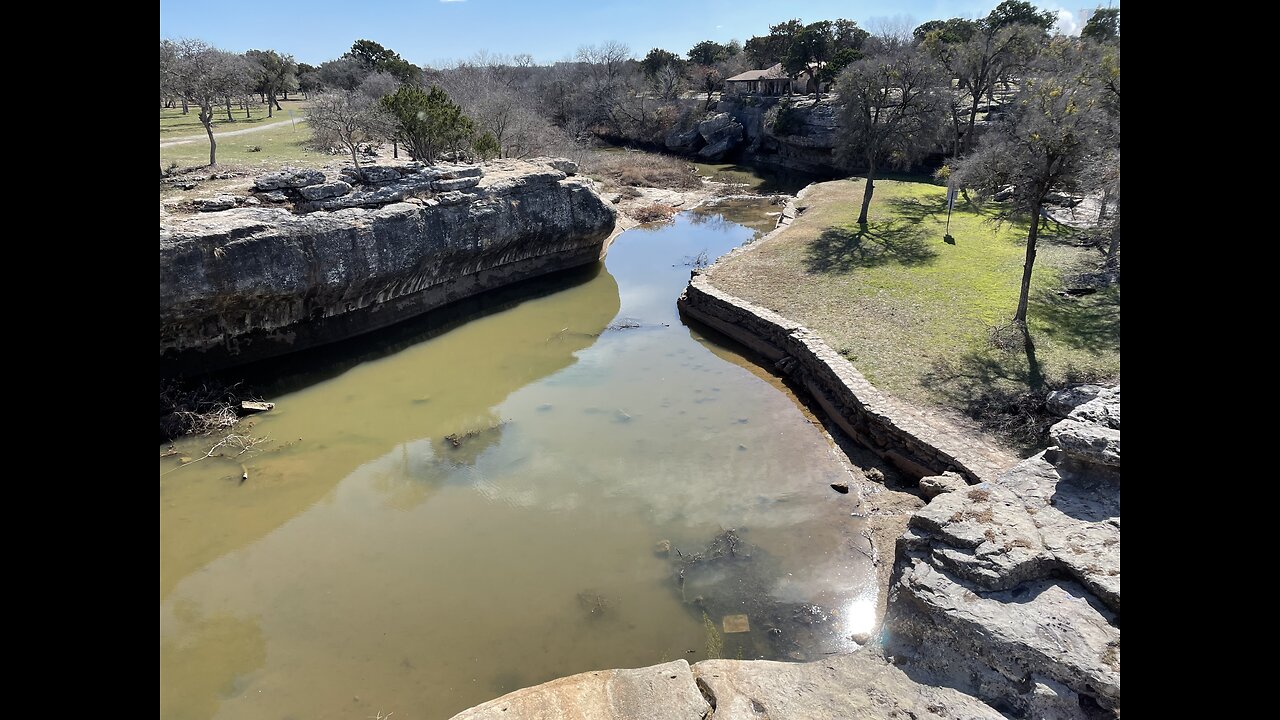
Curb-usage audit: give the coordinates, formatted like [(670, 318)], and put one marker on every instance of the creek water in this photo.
[(441, 517)]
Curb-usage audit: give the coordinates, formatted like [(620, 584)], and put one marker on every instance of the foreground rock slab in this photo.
[(659, 692), (861, 685)]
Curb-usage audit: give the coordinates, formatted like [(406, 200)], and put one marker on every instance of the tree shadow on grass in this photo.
[(915, 210), (1091, 322), (1005, 390), (840, 249)]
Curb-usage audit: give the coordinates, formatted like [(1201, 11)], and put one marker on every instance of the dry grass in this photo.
[(653, 213), (914, 313), (621, 167)]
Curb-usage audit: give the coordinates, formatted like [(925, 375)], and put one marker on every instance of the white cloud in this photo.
[(1069, 23)]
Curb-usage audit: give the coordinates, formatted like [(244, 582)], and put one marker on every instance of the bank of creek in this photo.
[(442, 516)]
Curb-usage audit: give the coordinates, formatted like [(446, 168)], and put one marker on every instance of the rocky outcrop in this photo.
[(806, 141), (248, 283), (720, 134), (1010, 590)]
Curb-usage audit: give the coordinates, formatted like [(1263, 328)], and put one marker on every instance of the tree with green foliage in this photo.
[(347, 119), (205, 76), (658, 59), (979, 54), (374, 58), (1056, 128), (308, 79), (707, 52), (846, 35), (768, 50), (950, 32), (486, 146), (427, 123), (1021, 12), (810, 51), (275, 73), (343, 74), (893, 105), (1103, 25)]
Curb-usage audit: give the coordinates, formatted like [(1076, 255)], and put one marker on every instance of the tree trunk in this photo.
[(1113, 252), (229, 117), (1021, 315), (213, 144), (866, 193), (246, 111), (354, 159), (395, 149), (276, 100), (1102, 209), (185, 108), (269, 104), (286, 95)]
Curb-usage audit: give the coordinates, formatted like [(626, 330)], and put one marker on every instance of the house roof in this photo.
[(774, 73)]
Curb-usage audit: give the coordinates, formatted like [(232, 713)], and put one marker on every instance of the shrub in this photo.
[(486, 146), (653, 213), (785, 120), (255, 148)]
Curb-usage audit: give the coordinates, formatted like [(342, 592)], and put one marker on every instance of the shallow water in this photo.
[(370, 565)]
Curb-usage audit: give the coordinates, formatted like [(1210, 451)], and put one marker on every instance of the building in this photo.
[(773, 81)]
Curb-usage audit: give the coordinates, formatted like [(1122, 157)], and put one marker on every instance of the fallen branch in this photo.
[(245, 443)]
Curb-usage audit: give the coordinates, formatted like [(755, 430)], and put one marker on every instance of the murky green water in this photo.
[(370, 565)]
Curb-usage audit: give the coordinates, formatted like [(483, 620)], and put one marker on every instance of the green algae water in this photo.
[(572, 481)]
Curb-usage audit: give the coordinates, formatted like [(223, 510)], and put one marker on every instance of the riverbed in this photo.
[(570, 479)]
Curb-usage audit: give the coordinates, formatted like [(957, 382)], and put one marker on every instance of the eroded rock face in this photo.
[(1010, 589), (248, 283)]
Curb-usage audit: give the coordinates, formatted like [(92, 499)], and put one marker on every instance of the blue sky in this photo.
[(432, 32)]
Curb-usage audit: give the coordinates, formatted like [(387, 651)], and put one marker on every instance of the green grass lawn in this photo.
[(914, 313), (174, 124), (279, 146)]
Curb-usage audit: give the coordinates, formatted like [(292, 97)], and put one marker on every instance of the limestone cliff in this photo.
[(250, 281)]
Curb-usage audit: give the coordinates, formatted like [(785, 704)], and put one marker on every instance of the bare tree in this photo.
[(892, 111), (491, 89), (1045, 146), (205, 76), (669, 81), (347, 119)]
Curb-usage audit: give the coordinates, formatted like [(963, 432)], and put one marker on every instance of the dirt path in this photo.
[(202, 136)]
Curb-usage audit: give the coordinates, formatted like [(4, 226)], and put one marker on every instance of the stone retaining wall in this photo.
[(917, 441)]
